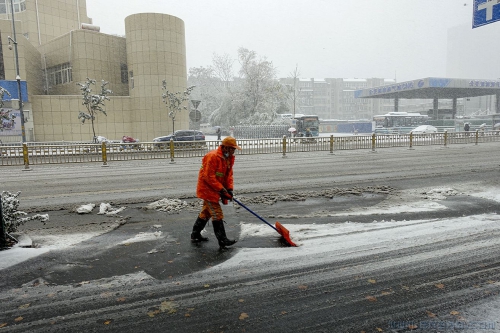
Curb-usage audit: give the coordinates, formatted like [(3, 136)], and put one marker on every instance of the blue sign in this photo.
[(485, 12)]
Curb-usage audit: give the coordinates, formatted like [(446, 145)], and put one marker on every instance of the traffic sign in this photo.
[(195, 115), (195, 103), (485, 12)]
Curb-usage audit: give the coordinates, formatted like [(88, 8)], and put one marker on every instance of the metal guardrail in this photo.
[(34, 153)]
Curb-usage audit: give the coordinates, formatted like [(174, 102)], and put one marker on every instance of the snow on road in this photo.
[(320, 243), (311, 236)]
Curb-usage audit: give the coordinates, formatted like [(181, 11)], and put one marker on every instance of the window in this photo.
[(124, 73), (60, 74), (19, 6), (131, 76)]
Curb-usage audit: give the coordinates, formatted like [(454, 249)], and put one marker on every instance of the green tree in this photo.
[(94, 103), (174, 101)]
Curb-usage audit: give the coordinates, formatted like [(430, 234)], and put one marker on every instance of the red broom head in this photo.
[(285, 233)]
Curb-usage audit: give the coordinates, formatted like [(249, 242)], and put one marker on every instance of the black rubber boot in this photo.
[(198, 226), (220, 233)]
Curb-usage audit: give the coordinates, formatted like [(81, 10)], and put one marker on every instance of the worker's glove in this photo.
[(230, 193), (226, 195)]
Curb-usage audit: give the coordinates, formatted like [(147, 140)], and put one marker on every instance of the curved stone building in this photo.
[(152, 50), (156, 51)]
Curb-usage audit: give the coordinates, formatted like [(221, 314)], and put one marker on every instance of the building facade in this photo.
[(333, 98), (58, 46)]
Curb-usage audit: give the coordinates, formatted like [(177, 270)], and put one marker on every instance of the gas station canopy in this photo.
[(433, 88)]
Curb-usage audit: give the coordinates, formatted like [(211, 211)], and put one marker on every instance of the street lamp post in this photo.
[(18, 77)]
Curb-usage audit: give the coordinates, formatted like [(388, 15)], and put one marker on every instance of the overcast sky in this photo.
[(325, 38)]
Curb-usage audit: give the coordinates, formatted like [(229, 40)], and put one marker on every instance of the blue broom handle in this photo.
[(257, 216)]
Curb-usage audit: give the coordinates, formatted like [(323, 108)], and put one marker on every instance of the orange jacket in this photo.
[(216, 173)]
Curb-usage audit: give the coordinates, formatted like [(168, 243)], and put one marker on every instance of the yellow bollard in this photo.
[(284, 146), (172, 151), (26, 158), (331, 144), (373, 142), (477, 136), (445, 138), (411, 140), (104, 155)]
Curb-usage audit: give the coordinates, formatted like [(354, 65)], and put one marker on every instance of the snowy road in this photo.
[(53, 186), (411, 244)]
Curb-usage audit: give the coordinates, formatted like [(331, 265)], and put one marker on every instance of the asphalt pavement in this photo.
[(141, 272)]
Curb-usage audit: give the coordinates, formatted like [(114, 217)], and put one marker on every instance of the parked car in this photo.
[(424, 129), (129, 142), (180, 137)]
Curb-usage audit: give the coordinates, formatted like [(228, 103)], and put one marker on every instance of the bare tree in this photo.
[(294, 88), (174, 100), (94, 103), (223, 69)]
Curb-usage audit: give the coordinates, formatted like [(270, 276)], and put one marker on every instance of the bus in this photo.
[(400, 119), (303, 122)]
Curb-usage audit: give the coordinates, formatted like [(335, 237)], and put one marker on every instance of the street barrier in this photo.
[(36, 153)]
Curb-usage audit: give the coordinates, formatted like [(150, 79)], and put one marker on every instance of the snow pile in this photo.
[(439, 193), (107, 209), (272, 198), (168, 205), (104, 209), (85, 209)]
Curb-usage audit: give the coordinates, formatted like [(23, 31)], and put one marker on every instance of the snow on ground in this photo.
[(44, 244), (143, 237), (321, 242), (488, 193), (311, 237), (19, 254)]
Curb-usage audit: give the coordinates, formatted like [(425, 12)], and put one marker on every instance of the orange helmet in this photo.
[(229, 141)]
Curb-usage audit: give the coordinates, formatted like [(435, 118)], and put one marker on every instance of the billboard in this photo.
[(11, 87), (11, 127)]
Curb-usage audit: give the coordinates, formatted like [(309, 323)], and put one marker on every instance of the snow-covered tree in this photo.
[(12, 216), (260, 84), (93, 103), (208, 90), (174, 101), (5, 116), (254, 96)]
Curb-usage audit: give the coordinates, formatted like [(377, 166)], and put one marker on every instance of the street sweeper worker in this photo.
[(215, 182)]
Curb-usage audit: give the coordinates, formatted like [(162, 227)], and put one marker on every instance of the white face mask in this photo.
[(226, 154)]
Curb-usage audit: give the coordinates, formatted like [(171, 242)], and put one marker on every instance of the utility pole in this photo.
[(3, 232), (18, 77)]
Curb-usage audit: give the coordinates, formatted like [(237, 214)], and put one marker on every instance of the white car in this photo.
[(423, 129)]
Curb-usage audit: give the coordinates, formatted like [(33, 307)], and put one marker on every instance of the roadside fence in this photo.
[(35, 153)]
